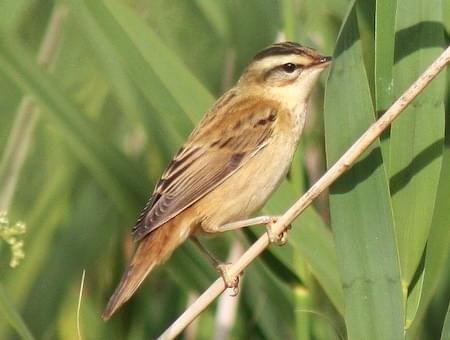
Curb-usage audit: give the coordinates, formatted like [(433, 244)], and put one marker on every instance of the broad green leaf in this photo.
[(365, 12), (417, 135), (414, 296), (446, 329), (385, 14), (384, 52), (446, 15), (360, 209), (438, 244)]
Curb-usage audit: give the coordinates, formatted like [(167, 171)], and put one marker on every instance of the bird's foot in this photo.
[(231, 281), (278, 239)]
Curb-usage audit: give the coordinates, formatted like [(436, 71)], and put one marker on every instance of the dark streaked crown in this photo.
[(285, 48)]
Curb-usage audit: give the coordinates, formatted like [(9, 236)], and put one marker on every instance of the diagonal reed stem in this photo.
[(20, 135), (341, 165)]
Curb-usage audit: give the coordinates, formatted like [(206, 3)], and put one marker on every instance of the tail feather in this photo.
[(152, 250)]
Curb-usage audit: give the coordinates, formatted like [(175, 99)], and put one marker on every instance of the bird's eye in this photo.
[(289, 67)]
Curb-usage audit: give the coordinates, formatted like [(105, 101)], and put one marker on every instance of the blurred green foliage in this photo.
[(119, 86)]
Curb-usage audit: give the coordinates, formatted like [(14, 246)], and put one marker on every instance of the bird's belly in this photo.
[(246, 191)]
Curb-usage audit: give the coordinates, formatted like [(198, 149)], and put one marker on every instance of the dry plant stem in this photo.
[(343, 164), (20, 136), (191, 331), (80, 296)]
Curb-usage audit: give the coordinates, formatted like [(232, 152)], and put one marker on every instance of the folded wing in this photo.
[(205, 161)]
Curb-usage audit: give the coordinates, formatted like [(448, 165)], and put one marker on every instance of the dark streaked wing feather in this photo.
[(202, 164)]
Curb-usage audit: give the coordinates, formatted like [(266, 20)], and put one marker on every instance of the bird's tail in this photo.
[(152, 250)]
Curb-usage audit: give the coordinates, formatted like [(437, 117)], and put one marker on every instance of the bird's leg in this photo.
[(205, 252), (231, 281), (246, 223), (268, 221)]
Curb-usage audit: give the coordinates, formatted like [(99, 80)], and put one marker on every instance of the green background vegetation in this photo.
[(122, 88)]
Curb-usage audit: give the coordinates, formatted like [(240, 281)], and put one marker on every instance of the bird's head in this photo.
[(285, 69)]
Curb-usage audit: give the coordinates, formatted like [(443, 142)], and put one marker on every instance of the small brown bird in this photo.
[(230, 164)]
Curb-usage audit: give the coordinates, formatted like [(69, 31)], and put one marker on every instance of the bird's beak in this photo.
[(321, 62)]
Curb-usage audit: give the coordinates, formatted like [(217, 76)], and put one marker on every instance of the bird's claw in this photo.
[(279, 239), (231, 281)]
